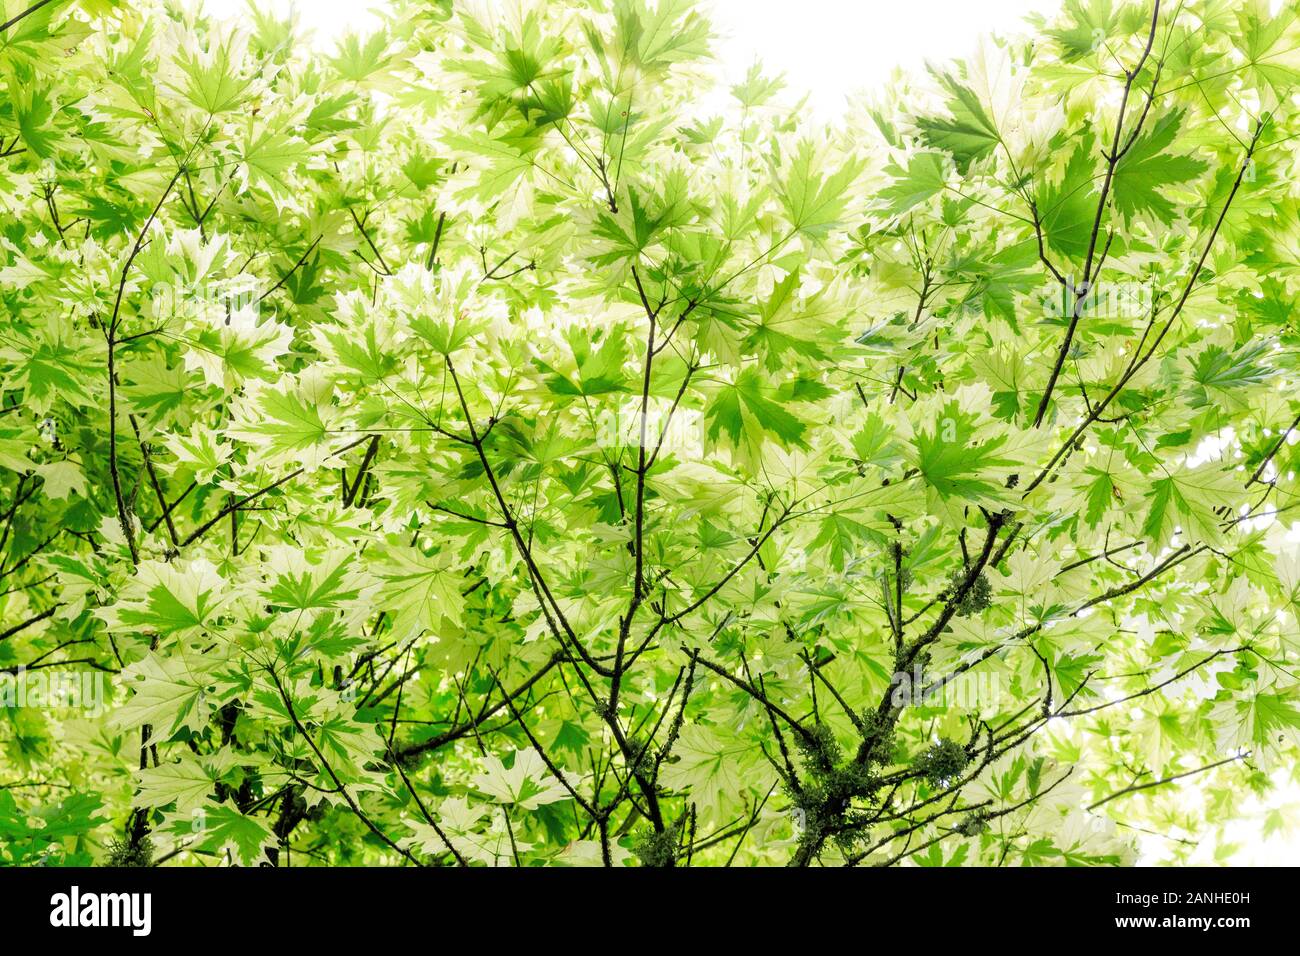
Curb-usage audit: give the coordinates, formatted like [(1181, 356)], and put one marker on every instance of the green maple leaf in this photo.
[(309, 580), (1087, 29), (1264, 721), (212, 80), (527, 783), (1264, 41), (53, 365), (1008, 273), (1100, 495), (757, 89), (1148, 168), (597, 365), (169, 598), (1187, 499), (814, 201), (218, 827), (357, 61), (968, 134), (1221, 375), (422, 593), (62, 478), (745, 410), (185, 782), (348, 745), (155, 389), (170, 694), (955, 458), (73, 815), (843, 538), (788, 326), (505, 160), (368, 351), (34, 110), (269, 156), (714, 765), (229, 354), (284, 422), (923, 178), (1068, 208)]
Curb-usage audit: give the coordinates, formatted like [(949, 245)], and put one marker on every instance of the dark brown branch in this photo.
[(246, 499), (21, 16), (296, 266), (17, 628), (1112, 160), (1170, 779)]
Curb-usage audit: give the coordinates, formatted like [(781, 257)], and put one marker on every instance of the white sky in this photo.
[(830, 49)]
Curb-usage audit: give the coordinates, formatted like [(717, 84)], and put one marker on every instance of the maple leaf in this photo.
[(1148, 168)]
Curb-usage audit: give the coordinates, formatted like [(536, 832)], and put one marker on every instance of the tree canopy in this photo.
[(496, 441)]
